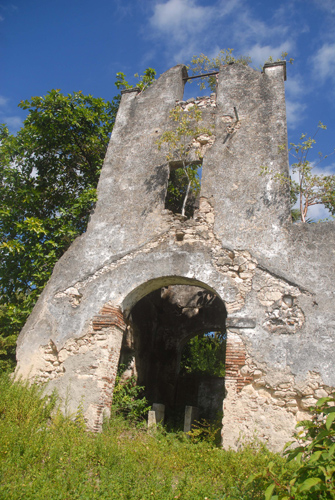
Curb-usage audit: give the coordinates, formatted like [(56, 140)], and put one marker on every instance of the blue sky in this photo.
[(80, 45)]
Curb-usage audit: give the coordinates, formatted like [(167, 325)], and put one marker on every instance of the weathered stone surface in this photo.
[(274, 279)]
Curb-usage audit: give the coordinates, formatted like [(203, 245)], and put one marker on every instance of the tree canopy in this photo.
[(49, 172)]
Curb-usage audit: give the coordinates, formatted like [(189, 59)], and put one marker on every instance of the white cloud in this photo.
[(188, 27), (180, 17), (324, 62), (295, 86), (295, 90), (3, 100), (318, 212)]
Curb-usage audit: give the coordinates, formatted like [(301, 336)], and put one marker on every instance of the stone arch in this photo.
[(162, 315), (158, 282)]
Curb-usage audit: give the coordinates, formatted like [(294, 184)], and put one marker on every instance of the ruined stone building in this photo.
[(144, 280)]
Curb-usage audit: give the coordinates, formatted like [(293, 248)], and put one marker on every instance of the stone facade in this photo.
[(273, 280)]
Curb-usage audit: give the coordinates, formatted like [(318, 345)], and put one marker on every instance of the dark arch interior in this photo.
[(162, 323)]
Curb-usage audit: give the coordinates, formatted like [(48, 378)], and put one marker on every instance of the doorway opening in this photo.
[(177, 347)]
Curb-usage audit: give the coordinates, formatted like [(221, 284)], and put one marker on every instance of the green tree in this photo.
[(48, 176), (310, 189), (49, 172), (143, 82)]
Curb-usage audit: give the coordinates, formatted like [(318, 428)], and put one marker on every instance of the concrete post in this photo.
[(156, 415), (191, 414)]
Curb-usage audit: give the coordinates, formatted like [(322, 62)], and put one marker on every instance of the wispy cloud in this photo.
[(296, 86), (9, 7), (14, 123), (187, 27), (296, 92), (324, 62), (261, 53), (294, 113), (3, 100), (317, 212), (327, 5)]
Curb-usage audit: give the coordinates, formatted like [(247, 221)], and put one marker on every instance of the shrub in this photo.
[(128, 399), (310, 465)]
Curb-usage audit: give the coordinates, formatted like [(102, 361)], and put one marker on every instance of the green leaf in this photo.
[(322, 401), (315, 456), (268, 492), (331, 450), (330, 420), (309, 483)]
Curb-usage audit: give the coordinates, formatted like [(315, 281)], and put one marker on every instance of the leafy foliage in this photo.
[(48, 177), (144, 81), (177, 190), (204, 354), (49, 172), (313, 457), (204, 64), (310, 189), (206, 431), (128, 399)]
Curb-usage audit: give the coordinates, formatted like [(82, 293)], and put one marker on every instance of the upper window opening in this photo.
[(183, 189)]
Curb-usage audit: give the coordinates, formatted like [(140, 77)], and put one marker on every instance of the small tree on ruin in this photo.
[(182, 146)]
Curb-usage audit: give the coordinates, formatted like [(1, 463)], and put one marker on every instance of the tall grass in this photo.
[(45, 455)]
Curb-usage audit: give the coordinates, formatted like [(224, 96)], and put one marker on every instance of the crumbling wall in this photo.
[(275, 279)]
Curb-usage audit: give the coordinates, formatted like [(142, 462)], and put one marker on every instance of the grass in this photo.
[(45, 455)]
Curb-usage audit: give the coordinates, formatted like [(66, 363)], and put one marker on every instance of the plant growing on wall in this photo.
[(204, 64), (182, 147)]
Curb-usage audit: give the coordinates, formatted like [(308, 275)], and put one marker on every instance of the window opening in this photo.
[(183, 189)]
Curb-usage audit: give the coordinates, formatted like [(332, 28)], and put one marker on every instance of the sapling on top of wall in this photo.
[(184, 149)]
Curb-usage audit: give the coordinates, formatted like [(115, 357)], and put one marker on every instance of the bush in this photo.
[(128, 399)]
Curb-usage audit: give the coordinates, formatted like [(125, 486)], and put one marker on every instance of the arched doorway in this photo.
[(162, 322)]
